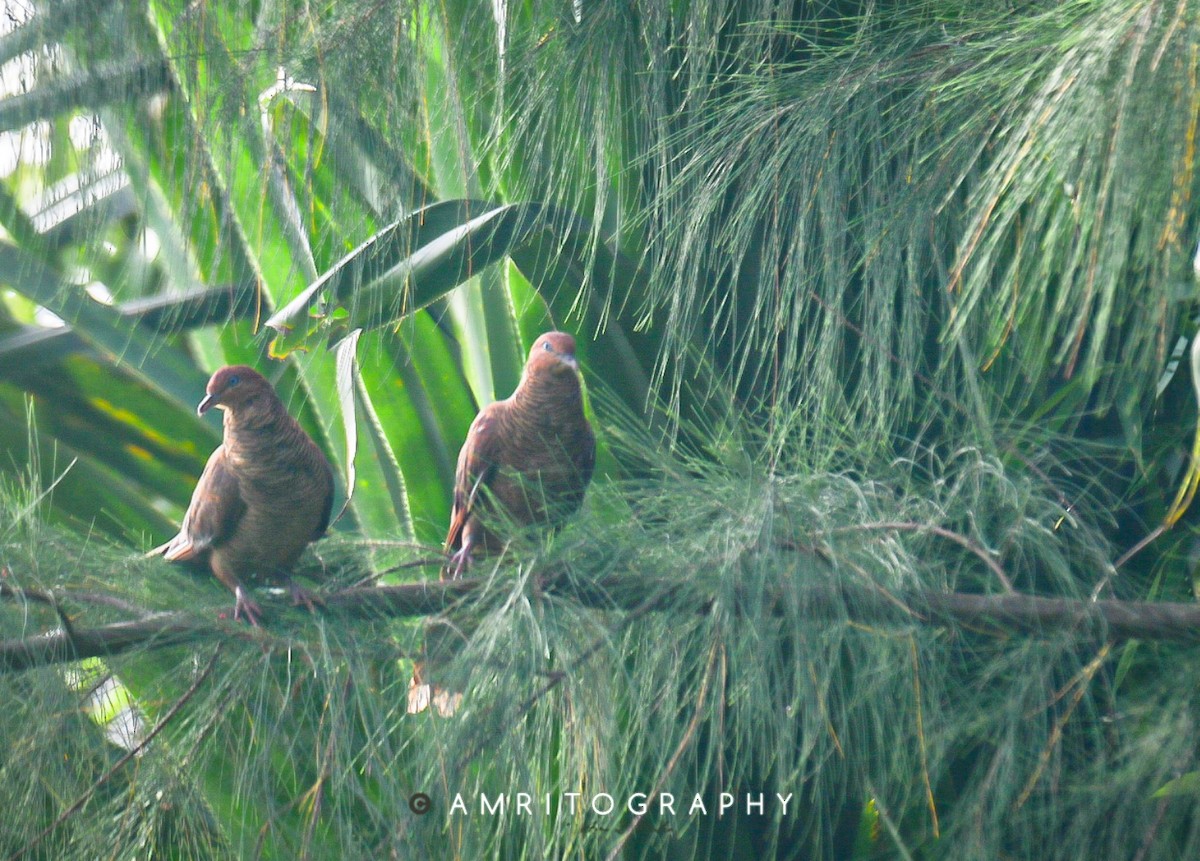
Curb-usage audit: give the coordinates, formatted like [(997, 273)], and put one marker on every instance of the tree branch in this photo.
[(993, 615), (158, 630)]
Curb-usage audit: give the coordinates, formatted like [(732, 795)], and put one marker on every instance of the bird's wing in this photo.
[(477, 462), (216, 508), (326, 513), (326, 472), (587, 462)]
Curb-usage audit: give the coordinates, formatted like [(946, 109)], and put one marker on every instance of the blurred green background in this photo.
[(840, 273)]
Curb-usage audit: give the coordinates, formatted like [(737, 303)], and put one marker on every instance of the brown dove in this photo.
[(531, 455), (266, 491)]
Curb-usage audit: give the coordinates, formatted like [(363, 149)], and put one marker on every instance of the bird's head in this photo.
[(232, 387), (553, 352)]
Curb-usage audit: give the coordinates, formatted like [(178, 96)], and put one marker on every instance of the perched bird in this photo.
[(266, 491), (530, 455)]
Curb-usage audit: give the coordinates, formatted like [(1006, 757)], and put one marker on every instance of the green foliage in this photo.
[(875, 294), (710, 671)]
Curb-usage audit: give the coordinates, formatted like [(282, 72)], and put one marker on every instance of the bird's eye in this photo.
[(546, 346), (233, 381)]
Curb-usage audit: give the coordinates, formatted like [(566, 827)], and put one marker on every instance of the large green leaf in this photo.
[(125, 510), (163, 314), (102, 326), (421, 257), (404, 267), (232, 228)]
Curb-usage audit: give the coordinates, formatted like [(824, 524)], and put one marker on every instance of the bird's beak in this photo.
[(205, 405), (568, 359)]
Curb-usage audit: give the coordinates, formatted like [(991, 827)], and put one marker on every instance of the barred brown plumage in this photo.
[(527, 459), (265, 494), (531, 455)]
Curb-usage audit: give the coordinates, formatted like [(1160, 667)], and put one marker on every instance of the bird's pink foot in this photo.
[(302, 597), (459, 562), (243, 605)]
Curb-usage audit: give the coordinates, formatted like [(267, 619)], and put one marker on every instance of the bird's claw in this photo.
[(459, 561), (243, 605), (302, 597)]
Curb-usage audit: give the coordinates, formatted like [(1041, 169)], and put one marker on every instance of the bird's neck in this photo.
[(559, 392), (259, 427)]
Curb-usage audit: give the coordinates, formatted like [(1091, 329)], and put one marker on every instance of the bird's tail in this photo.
[(177, 549)]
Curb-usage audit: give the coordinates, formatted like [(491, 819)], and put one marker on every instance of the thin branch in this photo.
[(33, 596), (960, 540), (157, 630), (1085, 678), (998, 615), (1141, 545), (428, 562), (42, 596), (937, 831)]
